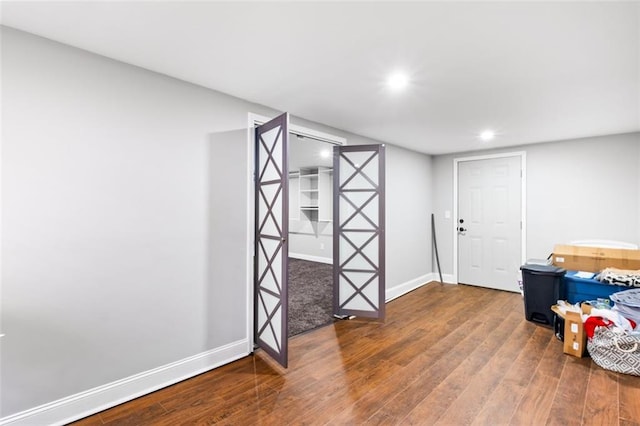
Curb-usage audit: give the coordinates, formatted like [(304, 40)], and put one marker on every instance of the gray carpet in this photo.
[(310, 295)]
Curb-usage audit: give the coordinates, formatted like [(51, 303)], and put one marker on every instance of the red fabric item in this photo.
[(592, 322)]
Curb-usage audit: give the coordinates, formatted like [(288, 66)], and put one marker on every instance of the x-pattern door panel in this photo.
[(359, 281), (271, 248)]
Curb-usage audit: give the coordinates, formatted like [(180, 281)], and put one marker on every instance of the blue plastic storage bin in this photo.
[(581, 289)]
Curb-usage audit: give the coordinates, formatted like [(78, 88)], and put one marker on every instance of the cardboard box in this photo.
[(594, 259), (575, 338)]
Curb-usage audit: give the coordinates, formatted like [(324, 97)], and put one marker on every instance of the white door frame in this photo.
[(253, 120), (523, 196)]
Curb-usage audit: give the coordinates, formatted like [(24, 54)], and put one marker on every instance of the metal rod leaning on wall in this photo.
[(435, 244)]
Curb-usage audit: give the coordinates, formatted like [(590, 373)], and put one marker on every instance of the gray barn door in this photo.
[(271, 247), (358, 243)]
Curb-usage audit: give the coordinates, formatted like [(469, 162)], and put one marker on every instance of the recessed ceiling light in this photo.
[(325, 153), (487, 135), (398, 80)]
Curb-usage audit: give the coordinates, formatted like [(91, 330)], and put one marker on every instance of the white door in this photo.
[(489, 222)]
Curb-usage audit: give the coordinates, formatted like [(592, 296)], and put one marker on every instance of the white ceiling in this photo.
[(532, 71)]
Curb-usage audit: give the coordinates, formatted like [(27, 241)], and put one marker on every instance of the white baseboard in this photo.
[(94, 400), (447, 278), (404, 288), (318, 259)]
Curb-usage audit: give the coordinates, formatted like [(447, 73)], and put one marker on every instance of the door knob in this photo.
[(461, 229)]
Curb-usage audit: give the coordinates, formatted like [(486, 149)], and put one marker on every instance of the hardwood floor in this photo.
[(449, 355)]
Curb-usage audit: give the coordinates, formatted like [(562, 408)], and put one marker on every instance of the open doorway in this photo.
[(345, 197), (268, 230), (310, 263)]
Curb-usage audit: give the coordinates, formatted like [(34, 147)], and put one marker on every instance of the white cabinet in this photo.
[(315, 194)]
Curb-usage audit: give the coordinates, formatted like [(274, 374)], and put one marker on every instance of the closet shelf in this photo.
[(312, 194)]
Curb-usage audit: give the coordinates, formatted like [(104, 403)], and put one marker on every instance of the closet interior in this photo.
[(310, 234)]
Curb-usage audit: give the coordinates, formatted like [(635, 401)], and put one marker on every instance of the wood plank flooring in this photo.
[(446, 355)]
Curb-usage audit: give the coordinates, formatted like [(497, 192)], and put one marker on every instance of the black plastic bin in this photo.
[(542, 286)]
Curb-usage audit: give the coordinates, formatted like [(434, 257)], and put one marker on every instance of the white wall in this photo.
[(124, 216), (576, 189)]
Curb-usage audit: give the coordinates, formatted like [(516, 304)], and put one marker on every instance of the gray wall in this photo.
[(124, 214), (576, 189), (311, 238), (110, 199), (225, 286), (409, 206), (408, 210)]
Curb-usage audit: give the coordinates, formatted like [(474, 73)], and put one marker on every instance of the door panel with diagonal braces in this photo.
[(271, 247), (358, 247)]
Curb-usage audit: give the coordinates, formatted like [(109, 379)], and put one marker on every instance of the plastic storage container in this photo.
[(542, 285), (581, 289)]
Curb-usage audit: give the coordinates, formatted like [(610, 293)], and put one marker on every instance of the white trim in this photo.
[(523, 208), (94, 400), (523, 195), (302, 131), (449, 279), (251, 120), (302, 256), (404, 288)]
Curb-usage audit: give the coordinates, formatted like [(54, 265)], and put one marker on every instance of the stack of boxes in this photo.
[(591, 259), (577, 289)]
